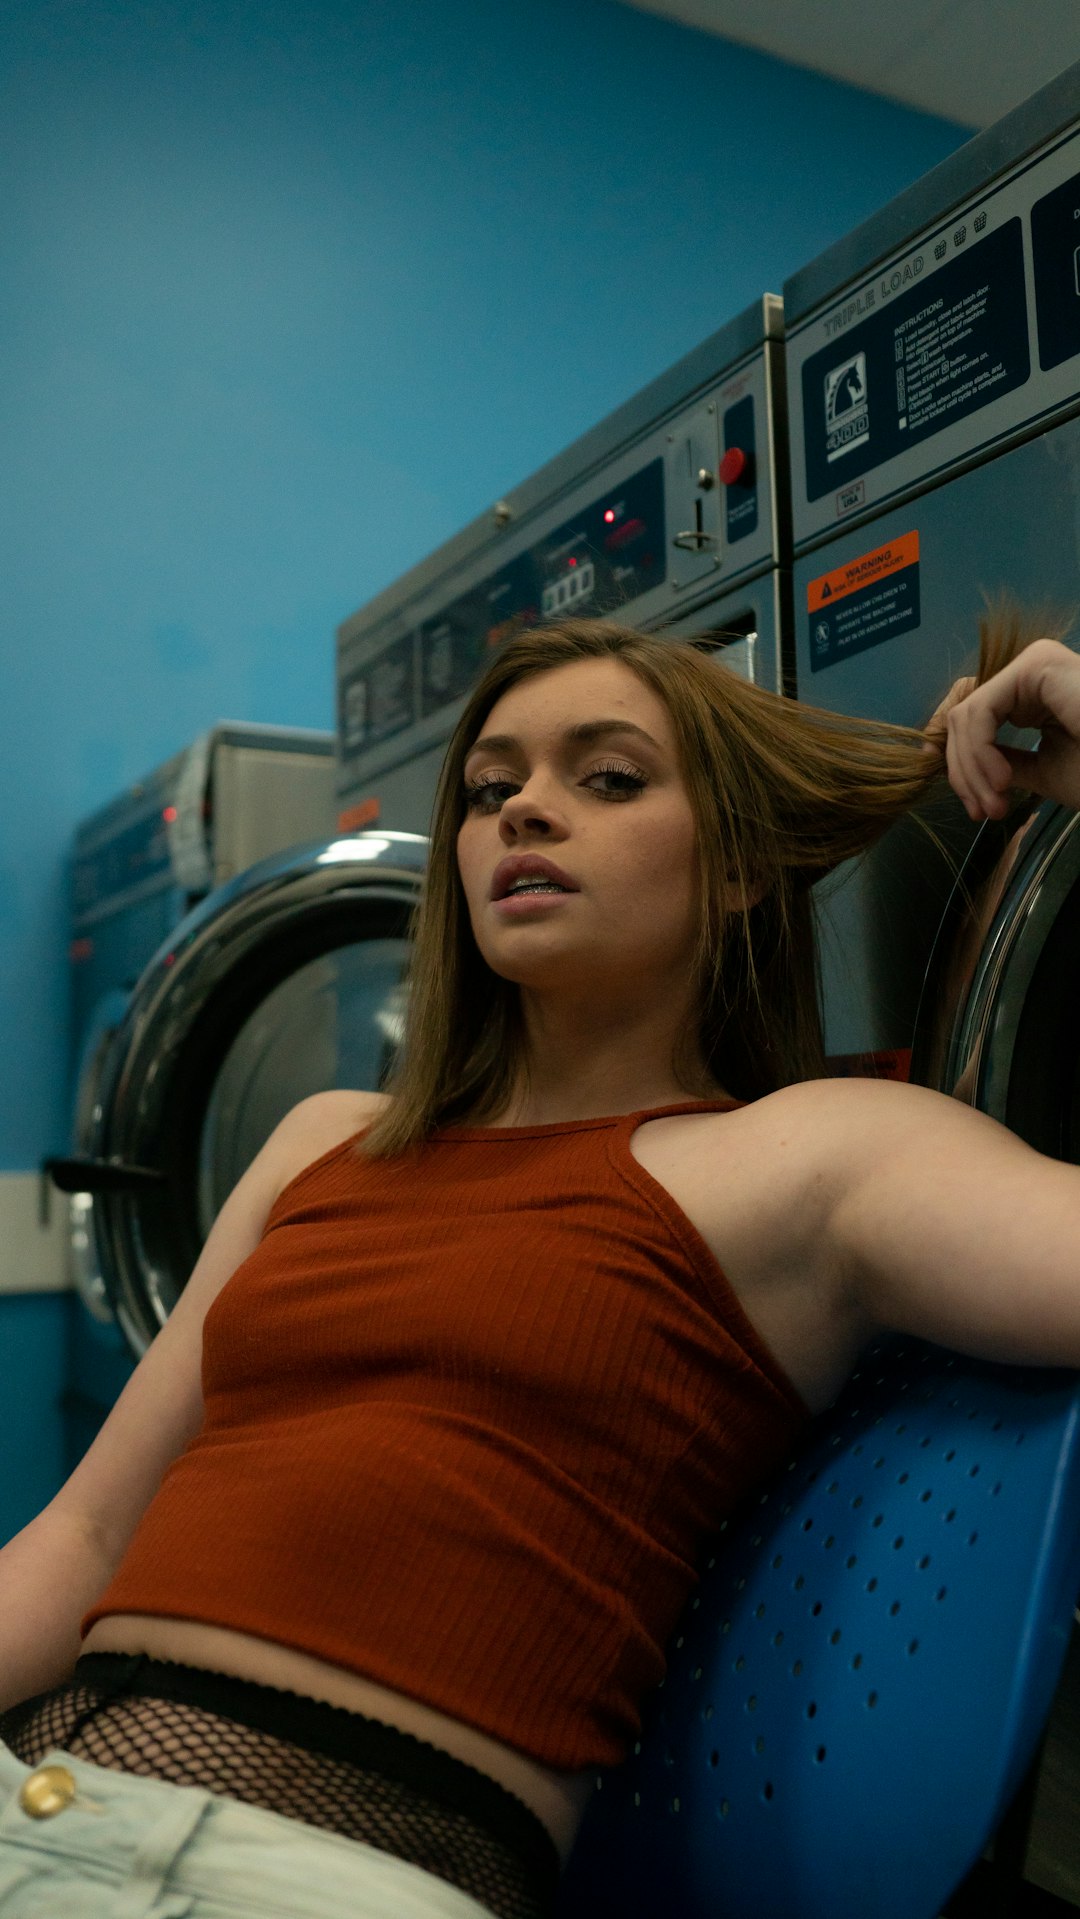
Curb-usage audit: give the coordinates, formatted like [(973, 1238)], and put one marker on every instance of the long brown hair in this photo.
[(781, 793)]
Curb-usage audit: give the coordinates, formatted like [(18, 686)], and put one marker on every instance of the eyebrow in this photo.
[(584, 731)]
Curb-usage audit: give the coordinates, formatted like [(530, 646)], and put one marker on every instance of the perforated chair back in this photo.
[(864, 1672)]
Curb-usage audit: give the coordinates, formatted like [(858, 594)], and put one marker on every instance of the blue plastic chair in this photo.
[(864, 1674)]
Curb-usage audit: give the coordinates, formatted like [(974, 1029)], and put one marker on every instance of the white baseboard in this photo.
[(33, 1256)]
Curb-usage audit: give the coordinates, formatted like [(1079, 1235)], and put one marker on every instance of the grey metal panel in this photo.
[(275, 739), (267, 800), (757, 610), (405, 793), (1011, 524), (963, 175)]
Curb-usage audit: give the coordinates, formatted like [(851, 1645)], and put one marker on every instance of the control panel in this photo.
[(965, 339)]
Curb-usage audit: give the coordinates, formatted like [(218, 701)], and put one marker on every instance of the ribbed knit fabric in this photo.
[(469, 1415)]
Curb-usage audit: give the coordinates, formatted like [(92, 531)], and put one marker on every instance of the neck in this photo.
[(587, 1060)]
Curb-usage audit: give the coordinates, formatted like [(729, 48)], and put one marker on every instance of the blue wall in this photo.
[(292, 290)]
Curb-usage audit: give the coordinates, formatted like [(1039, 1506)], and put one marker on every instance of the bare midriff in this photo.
[(557, 1798)]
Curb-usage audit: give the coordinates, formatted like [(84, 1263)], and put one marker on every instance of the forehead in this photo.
[(581, 690)]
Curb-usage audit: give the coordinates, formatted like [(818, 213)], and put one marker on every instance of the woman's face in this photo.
[(577, 767)]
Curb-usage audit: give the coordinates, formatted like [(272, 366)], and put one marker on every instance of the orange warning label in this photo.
[(354, 817), (863, 571)]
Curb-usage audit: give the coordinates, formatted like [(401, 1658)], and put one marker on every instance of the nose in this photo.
[(534, 809)]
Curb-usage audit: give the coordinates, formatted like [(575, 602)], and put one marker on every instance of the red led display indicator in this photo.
[(169, 815), (609, 515)]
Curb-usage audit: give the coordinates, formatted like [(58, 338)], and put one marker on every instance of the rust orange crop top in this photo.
[(469, 1417)]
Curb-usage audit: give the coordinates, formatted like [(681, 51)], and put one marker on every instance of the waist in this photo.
[(305, 1759), (557, 1799)]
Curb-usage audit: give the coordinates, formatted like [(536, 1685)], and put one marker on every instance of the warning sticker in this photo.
[(868, 600)]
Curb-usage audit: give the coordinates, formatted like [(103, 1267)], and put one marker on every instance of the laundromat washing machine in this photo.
[(139, 865), (934, 386)]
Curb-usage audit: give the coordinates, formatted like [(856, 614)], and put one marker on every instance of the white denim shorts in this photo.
[(119, 1846)]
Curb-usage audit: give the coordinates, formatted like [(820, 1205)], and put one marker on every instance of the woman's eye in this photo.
[(486, 796), (626, 782), (620, 783)]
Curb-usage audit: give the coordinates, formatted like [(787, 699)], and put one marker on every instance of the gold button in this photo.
[(47, 1791)]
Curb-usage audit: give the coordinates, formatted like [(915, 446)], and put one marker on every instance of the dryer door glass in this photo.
[(335, 1022)]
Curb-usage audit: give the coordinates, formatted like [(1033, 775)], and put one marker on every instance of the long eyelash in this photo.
[(638, 780), (472, 793)]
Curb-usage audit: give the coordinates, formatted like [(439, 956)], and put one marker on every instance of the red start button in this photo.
[(735, 466)]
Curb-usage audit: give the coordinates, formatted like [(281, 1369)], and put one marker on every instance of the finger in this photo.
[(978, 772), (1041, 684), (956, 767), (979, 718), (959, 690)]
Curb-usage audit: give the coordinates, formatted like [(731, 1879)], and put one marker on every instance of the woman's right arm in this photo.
[(53, 1570)]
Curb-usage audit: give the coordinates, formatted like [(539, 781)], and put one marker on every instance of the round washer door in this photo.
[(999, 1023), (286, 982)]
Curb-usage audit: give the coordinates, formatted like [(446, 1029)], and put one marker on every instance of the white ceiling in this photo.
[(968, 60)]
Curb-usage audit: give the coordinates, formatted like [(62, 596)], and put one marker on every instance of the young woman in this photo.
[(377, 1553)]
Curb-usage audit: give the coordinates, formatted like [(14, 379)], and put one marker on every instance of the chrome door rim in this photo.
[(1016, 909)]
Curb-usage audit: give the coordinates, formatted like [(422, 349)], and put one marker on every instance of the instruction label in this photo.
[(866, 601), (956, 339), (377, 700)]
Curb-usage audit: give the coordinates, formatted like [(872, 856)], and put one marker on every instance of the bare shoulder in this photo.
[(843, 1123), (823, 1138), (804, 1133), (765, 1184), (817, 1117), (316, 1125)]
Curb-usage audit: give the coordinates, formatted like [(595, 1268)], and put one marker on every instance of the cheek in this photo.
[(672, 850), (464, 854), (664, 880), (471, 868)]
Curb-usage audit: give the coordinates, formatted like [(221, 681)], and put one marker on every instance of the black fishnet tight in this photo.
[(191, 1746)]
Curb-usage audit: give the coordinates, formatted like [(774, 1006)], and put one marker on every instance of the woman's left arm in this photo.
[(945, 1225), (1039, 688)]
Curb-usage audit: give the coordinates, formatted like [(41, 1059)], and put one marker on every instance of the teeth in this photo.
[(536, 886)]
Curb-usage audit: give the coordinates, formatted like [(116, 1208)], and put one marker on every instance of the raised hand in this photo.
[(1039, 688)]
